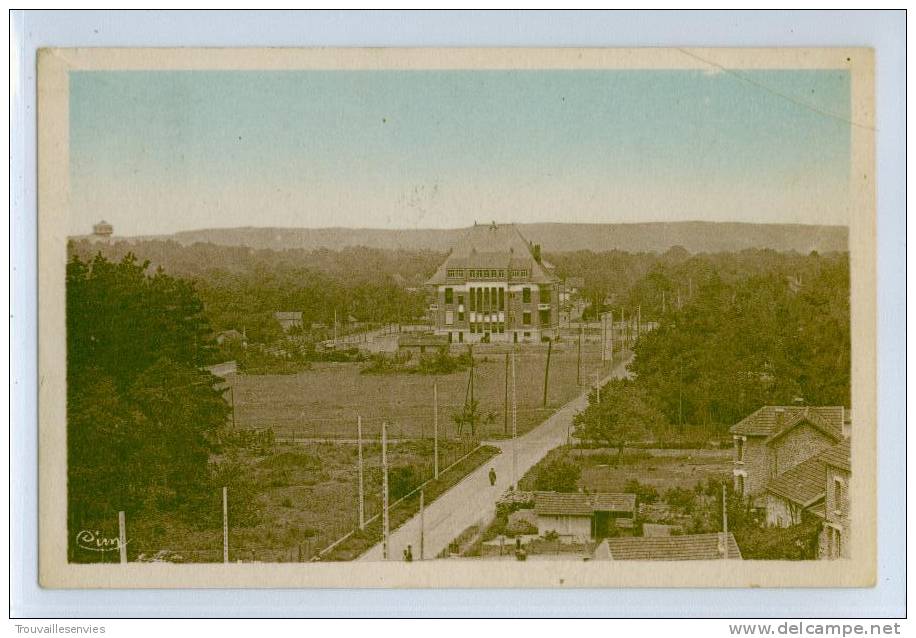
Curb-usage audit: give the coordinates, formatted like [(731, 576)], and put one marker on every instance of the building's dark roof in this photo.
[(839, 456), (688, 547), (490, 246), (562, 504), (579, 504), (772, 420), (805, 483), (614, 502)]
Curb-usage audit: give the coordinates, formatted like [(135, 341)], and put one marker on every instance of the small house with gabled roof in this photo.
[(578, 517)]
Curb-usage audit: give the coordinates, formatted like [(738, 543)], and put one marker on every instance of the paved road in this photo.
[(473, 500)]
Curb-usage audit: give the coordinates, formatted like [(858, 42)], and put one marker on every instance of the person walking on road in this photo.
[(492, 477), (408, 554)]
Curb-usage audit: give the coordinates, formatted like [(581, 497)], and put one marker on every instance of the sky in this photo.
[(162, 151)]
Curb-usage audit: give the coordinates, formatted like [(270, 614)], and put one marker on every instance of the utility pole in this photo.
[(611, 340), (663, 302), (638, 321), (232, 397), (598, 385), (725, 519), (421, 524), (335, 326), (225, 524), (435, 429), (122, 537), (506, 401), (362, 496), (385, 530), (514, 425), (547, 370), (579, 357)]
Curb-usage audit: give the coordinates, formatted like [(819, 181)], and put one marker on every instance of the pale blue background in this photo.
[(883, 30)]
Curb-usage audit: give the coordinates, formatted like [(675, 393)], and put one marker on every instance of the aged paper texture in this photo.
[(456, 318)]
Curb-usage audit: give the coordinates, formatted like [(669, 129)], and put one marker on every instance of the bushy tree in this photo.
[(142, 416), (560, 474), (623, 416)]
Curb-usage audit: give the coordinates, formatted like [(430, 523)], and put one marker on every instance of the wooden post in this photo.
[(232, 397), (385, 530), (514, 426), (421, 524), (547, 370), (362, 495), (611, 334), (436, 429), (638, 321), (122, 537), (506, 399), (725, 519), (579, 357), (225, 525)]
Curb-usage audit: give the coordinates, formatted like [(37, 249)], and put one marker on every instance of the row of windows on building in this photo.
[(460, 336), (486, 273), (494, 326), (492, 298)]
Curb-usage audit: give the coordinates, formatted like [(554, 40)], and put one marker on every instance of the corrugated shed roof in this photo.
[(499, 246), (771, 420), (688, 547), (578, 504), (297, 316)]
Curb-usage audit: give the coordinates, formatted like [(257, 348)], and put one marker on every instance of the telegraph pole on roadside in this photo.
[(547, 370), (514, 426), (579, 357), (611, 340), (436, 429), (506, 402), (362, 496), (385, 530), (421, 524)]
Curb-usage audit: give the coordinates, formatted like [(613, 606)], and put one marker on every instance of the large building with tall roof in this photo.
[(495, 286)]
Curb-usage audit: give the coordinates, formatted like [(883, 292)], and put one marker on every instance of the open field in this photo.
[(661, 469), (289, 502), (324, 401)]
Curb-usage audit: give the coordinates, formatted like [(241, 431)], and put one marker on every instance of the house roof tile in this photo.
[(499, 246), (773, 420), (805, 483), (579, 504), (688, 547)]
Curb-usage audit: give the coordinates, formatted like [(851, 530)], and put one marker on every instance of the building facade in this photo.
[(495, 287), (834, 540), (775, 439)]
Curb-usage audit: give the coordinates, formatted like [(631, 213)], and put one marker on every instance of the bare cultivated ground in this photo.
[(300, 499), (323, 402), (662, 469)]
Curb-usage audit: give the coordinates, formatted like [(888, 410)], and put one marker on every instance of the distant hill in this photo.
[(696, 237)]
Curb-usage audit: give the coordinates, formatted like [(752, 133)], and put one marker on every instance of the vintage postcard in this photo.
[(457, 318)]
